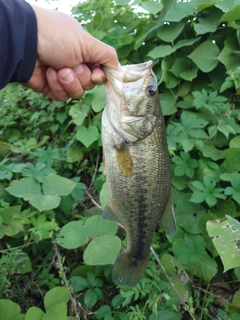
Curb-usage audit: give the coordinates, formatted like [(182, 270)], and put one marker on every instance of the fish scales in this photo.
[(137, 167)]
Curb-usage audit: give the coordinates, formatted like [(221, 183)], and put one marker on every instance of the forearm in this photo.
[(18, 41)]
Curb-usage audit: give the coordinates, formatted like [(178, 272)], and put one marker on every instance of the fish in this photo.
[(137, 165)]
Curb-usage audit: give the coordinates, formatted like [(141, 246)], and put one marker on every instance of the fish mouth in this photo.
[(127, 73)]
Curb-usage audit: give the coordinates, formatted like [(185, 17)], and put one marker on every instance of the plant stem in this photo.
[(169, 279)]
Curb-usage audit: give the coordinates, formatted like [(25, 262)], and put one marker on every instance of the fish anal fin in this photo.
[(168, 220), (128, 270), (124, 162), (109, 214)]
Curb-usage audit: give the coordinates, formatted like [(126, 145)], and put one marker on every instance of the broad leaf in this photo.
[(226, 238), (180, 11), (161, 51), (229, 56), (9, 310), (58, 312), (191, 253), (152, 7), (24, 188), (98, 99), (72, 235), (205, 56), (55, 296), (95, 227), (169, 32), (102, 250), (87, 135), (34, 313), (56, 185)]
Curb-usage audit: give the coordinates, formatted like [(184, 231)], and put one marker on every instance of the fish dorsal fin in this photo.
[(168, 220), (109, 214)]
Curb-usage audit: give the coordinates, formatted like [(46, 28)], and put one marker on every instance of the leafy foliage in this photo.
[(51, 173)]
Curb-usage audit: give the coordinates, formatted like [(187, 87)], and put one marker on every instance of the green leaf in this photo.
[(78, 283), (104, 198), (232, 15), (227, 5), (185, 165), (58, 312), (185, 69), (56, 296), (191, 253), (169, 32), (79, 113), (235, 142), (152, 7), (180, 11), (102, 250), (231, 163), (178, 277), (166, 315), (87, 135), (229, 56), (99, 98), (95, 227), (210, 151), (236, 301), (72, 235), (189, 214), (74, 154), (8, 309), (206, 191), (226, 238), (168, 101), (234, 191), (34, 313), (102, 311), (44, 202), (122, 2), (90, 298), (161, 51), (205, 56), (13, 227), (184, 43), (56, 185), (78, 191), (24, 188), (208, 23)]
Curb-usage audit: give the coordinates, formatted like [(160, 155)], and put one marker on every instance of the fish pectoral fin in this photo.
[(109, 214), (124, 162), (168, 220)]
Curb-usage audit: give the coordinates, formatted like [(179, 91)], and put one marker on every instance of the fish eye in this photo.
[(151, 90)]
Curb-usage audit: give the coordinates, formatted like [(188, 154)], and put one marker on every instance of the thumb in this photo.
[(97, 52)]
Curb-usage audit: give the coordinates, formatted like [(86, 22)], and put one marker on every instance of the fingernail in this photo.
[(52, 73), (78, 69), (67, 76)]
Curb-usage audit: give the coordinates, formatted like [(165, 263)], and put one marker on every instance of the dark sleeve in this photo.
[(18, 41)]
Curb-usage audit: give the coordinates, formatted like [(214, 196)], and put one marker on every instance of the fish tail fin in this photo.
[(127, 270)]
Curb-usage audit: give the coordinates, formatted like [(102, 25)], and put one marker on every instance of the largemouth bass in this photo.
[(137, 165)]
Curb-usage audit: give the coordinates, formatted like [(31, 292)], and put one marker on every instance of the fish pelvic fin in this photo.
[(109, 214), (127, 270), (168, 220)]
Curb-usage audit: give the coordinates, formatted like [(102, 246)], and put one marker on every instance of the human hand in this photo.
[(69, 58)]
